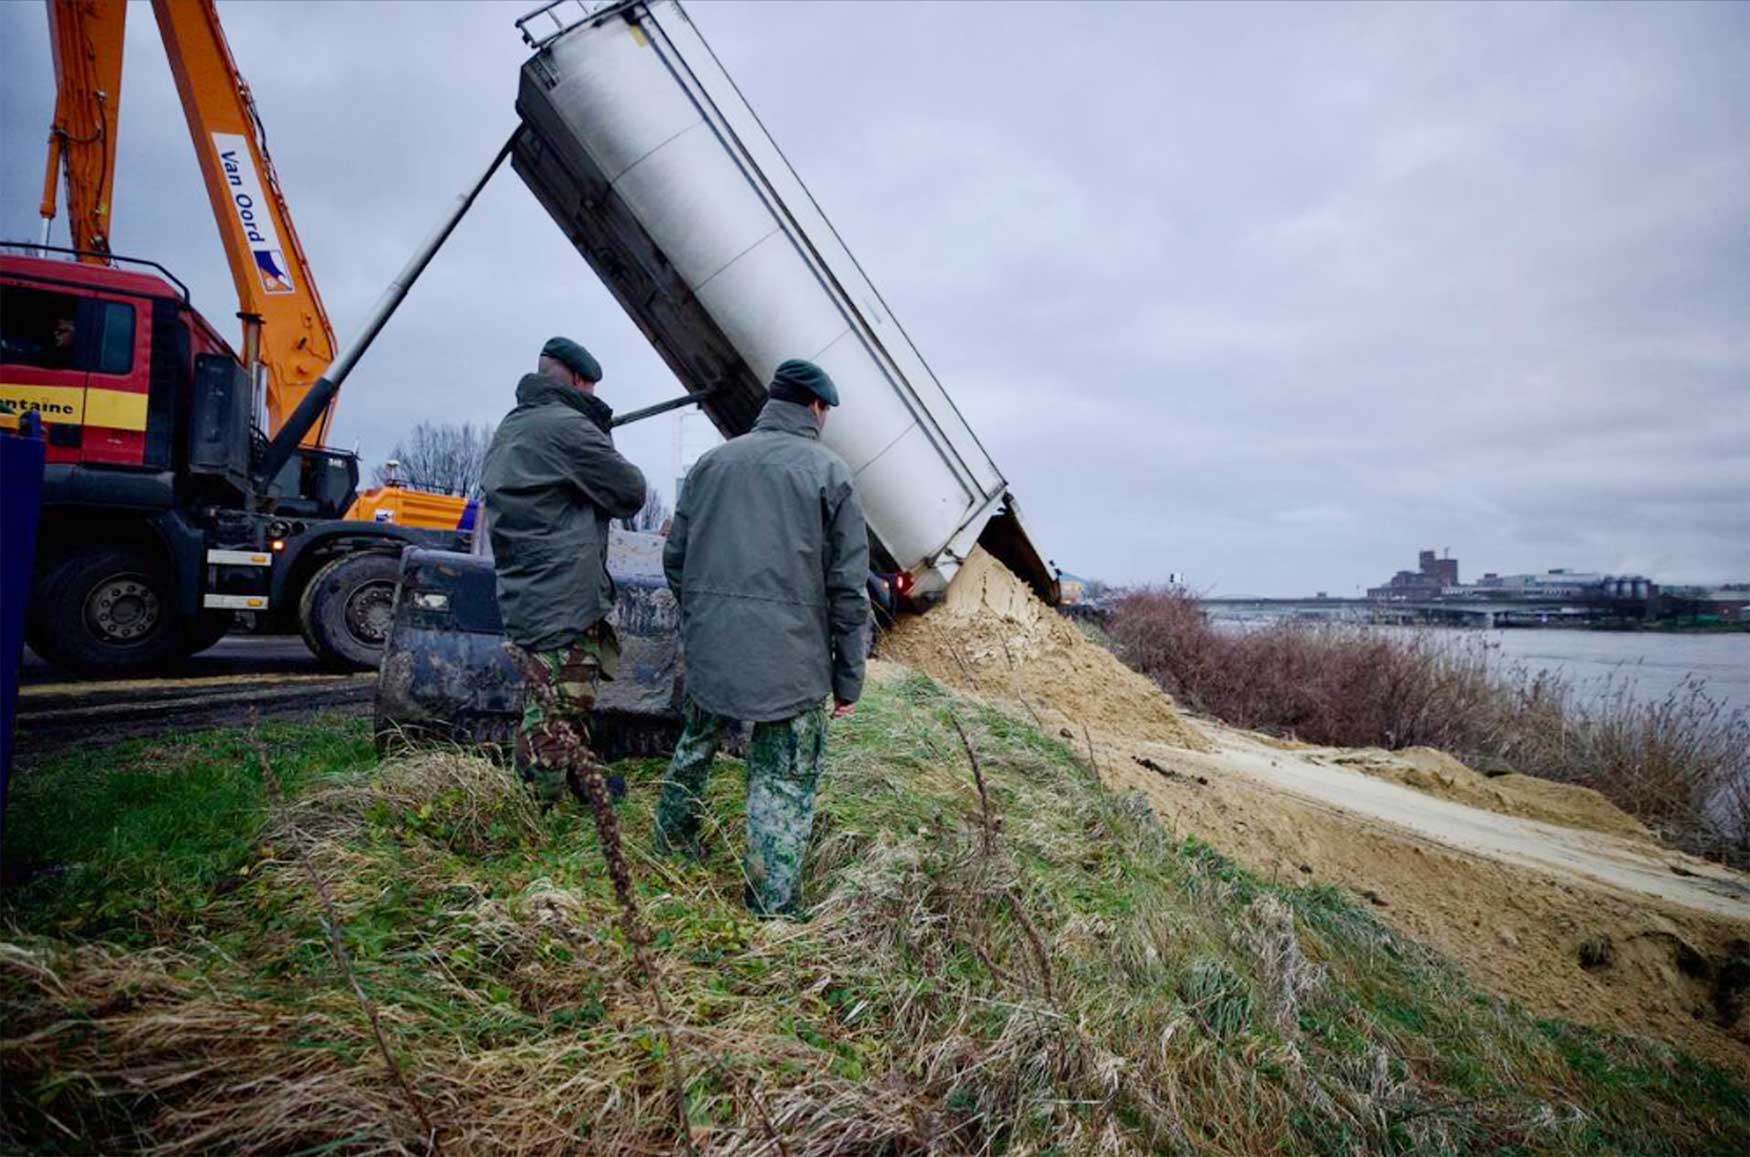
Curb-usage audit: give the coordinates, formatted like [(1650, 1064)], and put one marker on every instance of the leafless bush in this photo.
[(442, 457), (1682, 765), (650, 516)]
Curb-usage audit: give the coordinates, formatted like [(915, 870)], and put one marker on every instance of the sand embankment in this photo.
[(1543, 892)]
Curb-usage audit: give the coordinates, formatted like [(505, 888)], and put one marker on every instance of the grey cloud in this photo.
[(1268, 295)]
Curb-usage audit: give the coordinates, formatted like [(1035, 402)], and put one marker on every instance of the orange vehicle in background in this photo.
[(410, 506)]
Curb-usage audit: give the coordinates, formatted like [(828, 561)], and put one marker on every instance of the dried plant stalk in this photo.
[(336, 946), (589, 785)]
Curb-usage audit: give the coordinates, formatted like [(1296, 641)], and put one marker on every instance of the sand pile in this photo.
[(1515, 923), (992, 636), (1439, 774)]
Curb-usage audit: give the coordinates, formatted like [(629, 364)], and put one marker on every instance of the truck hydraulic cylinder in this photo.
[(628, 418), (310, 410)]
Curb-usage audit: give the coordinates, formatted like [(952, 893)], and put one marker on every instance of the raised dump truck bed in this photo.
[(643, 151)]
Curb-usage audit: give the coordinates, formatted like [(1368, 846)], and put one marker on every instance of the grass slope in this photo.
[(1069, 978)]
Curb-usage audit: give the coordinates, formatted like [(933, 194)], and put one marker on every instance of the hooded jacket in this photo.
[(552, 482), (769, 559)]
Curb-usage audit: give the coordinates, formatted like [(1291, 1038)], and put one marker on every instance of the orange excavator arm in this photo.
[(267, 261), (286, 334), (86, 39)]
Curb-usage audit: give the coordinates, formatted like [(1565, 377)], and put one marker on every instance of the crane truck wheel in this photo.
[(346, 609), (106, 610), (204, 630)]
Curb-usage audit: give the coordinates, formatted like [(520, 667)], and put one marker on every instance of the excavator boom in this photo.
[(86, 39), (267, 261), (286, 332)]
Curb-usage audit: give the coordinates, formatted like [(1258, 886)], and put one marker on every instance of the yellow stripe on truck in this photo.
[(115, 409), (73, 406)]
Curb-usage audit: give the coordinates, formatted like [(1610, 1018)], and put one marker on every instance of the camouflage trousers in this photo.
[(783, 768), (559, 692)]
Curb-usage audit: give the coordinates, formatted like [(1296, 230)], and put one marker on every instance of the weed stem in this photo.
[(331, 925)]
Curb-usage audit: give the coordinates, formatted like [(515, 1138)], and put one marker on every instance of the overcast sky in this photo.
[(1268, 296)]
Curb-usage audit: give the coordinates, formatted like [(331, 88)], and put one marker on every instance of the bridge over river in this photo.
[(1485, 613)]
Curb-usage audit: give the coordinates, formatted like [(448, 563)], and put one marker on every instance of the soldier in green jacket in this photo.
[(552, 482), (769, 559)]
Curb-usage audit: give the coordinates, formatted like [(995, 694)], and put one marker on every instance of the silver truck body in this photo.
[(643, 151)]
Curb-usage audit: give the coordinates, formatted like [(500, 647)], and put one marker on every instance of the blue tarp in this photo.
[(21, 486)]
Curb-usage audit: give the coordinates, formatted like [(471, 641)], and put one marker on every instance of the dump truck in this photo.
[(648, 158), (640, 147)]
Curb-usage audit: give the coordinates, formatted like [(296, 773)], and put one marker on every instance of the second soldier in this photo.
[(769, 558)]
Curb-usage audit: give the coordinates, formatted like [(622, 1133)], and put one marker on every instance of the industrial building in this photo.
[(1433, 577), (1436, 579), (1565, 584), (1699, 605)]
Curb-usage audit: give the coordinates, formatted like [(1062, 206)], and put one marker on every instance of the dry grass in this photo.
[(1040, 970), (1681, 766)]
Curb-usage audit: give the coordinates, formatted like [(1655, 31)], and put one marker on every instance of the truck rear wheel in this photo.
[(346, 609), (204, 630), (105, 611)]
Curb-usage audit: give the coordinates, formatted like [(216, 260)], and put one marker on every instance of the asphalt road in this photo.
[(239, 676), (234, 655)]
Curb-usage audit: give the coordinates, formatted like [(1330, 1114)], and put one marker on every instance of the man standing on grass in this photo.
[(552, 482), (768, 557)]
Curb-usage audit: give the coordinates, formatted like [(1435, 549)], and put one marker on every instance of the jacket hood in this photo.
[(541, 390), (787, 418)]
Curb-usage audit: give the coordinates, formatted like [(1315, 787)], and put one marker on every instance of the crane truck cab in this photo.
[(156, 526)]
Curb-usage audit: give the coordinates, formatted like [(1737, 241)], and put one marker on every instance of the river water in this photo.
[(1649, 665)]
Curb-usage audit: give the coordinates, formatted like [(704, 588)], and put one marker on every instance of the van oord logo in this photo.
[(250, 206)]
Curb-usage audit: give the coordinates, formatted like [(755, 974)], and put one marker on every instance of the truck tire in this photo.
[(346, 608), (105, 611), (204, 630)]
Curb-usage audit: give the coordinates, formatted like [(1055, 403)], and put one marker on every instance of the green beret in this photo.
[(797, 374), (573, 357)]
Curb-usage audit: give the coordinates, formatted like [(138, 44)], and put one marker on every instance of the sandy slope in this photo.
[(1630, 863), (1437, 773), (1516, 902), (1519, 901)]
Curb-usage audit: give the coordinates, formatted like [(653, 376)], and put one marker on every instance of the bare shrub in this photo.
[(651, 516), (442, 457), (1682, 765)]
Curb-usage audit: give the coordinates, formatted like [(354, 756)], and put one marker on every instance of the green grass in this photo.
[(139, 835), (1095, 984)]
